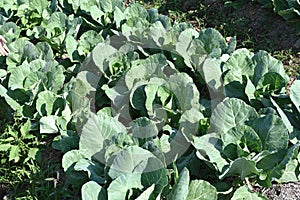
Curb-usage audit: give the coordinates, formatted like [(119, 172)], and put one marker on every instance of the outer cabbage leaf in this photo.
[(231, 113), (118, 188), (209, 148), (272, 132), (244, 193), (295, 94), (265, 63), (97, 129), (181, 188), (134, 160), (201, 190), (93, 191), (243, 167), (240, 141)]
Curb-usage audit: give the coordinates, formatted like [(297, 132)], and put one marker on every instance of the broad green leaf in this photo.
[(189, 122), (265, 63), (243, 167), (84, 90), (289, 174), (19, 75), (181, 188), (151, 90), (87, 41), (244, 193), (72, 157), (48, 124), (212, 74), (93, 191), (138, 97), (118, 188), (231, 113), (93, 169), (183, 44), (20, 50), (87, 83), (45, 102), (119, 16), (177, 144), (136, 11), (280, 168), (240, 140), (268, 160), (71, 46), (45, 51), (143, 128), (110, 5), (271, 82), (272, 132), (96, 59), (283, 116), (134, 160), (29, 76), (66, 142), (146, 69), (159, 178), (39, 6), (97, 129), (212, 40), (159, 34), (10, 101), (250, 90), (119, 96), (187, 98), (55, 29), (210, 146), (54, 77), (201, 190), (238, 65), (96, 13), (75, 4), (235, 89), (3, 74), (10, 31), (295, 94), (146, 194)]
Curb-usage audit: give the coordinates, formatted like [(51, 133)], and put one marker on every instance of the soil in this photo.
[(287, 191), (261, 24)]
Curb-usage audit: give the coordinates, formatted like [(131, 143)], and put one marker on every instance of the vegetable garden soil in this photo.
[(261, 24), (287, 191)]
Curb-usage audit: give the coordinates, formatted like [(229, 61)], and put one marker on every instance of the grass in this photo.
[(291, 60), (39, 178)]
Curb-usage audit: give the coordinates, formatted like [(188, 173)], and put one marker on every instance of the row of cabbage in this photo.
[(147, 109)]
